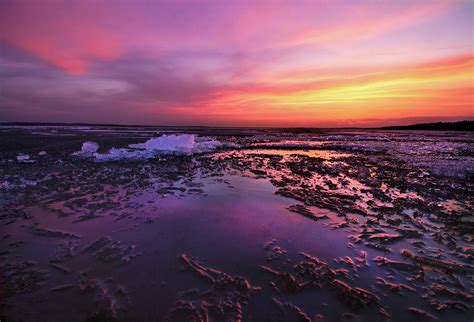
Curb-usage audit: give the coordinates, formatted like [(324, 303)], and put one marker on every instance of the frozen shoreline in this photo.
[(110, 236)]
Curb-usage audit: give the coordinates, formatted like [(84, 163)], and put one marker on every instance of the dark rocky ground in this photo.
[(278, 226)]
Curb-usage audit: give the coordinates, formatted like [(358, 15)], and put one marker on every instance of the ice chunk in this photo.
[(88, 149), (181, 143), (23, 158), (42, 153)]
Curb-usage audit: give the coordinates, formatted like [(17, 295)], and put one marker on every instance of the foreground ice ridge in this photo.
[(181, 143)]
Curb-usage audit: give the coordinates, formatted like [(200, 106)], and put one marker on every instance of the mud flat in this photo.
[(252, 225)]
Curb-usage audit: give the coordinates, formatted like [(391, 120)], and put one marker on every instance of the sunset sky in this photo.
[(237, 63)]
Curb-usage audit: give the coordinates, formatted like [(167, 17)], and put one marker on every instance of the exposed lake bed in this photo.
[(259, 225)]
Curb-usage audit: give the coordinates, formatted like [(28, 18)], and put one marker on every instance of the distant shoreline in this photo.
[(467, 125), (438, 126)]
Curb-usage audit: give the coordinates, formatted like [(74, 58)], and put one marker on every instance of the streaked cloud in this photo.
[(235, 63)]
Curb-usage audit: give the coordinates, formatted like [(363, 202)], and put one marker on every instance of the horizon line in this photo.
[(20, 123)]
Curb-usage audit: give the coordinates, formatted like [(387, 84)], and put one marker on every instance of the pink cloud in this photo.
[(65, 37)]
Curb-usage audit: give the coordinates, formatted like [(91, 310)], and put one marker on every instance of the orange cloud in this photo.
[(442, 87)]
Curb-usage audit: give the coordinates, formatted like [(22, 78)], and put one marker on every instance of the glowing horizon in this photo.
[(245, 63)]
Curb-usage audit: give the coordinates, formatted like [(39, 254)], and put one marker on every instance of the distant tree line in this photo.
[(438, 126)]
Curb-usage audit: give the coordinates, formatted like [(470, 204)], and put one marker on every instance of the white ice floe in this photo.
[(182, 143), (88, 149), (42, 153)]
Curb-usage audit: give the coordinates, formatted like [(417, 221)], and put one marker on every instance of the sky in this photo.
[(317, 63)]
